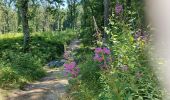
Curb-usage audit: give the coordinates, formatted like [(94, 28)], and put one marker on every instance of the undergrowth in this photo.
[(18, 68)]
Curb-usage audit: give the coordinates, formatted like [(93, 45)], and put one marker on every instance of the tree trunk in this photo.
[(24, 11), (7, 21), (19, 19)]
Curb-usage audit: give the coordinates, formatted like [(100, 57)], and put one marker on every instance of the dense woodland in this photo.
[(112, 61)]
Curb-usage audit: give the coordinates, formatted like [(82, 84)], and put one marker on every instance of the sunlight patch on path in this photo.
[(51, 87), (48, 88)]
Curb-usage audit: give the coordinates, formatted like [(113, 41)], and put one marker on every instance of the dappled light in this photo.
[(48, 87), (82, 50)]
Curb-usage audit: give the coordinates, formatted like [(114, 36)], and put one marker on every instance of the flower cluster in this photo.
[(99, 53), (118, 8), (102, 55), (71, 69), (140, 35)]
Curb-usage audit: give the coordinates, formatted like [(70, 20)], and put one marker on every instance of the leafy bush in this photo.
[(122, 81), (83, 88), (17, 67)]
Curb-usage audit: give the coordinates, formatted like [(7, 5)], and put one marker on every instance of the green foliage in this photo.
[(138, 82), (84, 88), (91, 8), (17, 67), (61, 36), (130, 76)]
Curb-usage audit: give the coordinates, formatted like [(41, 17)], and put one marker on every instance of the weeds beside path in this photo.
[(51, 87)]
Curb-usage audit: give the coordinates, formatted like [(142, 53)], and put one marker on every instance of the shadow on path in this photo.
[(51, 87)]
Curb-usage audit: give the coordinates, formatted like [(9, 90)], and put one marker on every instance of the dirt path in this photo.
[(51, 87)]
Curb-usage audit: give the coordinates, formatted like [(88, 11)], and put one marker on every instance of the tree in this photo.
[(91, 8), (5, 7), (72, 12), (23, 7)]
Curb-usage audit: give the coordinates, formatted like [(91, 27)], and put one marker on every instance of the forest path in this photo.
[(51, 87)]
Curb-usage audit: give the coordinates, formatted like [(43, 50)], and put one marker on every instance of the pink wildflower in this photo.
[(75, 72), (106, 50), (118, 8), (98, 50), (98, 58), (72, 69), (70, 66)]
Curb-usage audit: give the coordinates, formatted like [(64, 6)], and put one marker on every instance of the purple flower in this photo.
[(144, 36), (75, 72), (70, 68), (99, 54), (136, 36), (98, 50), (118, 8), (98, 58), (106, 50), (140, 34)]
